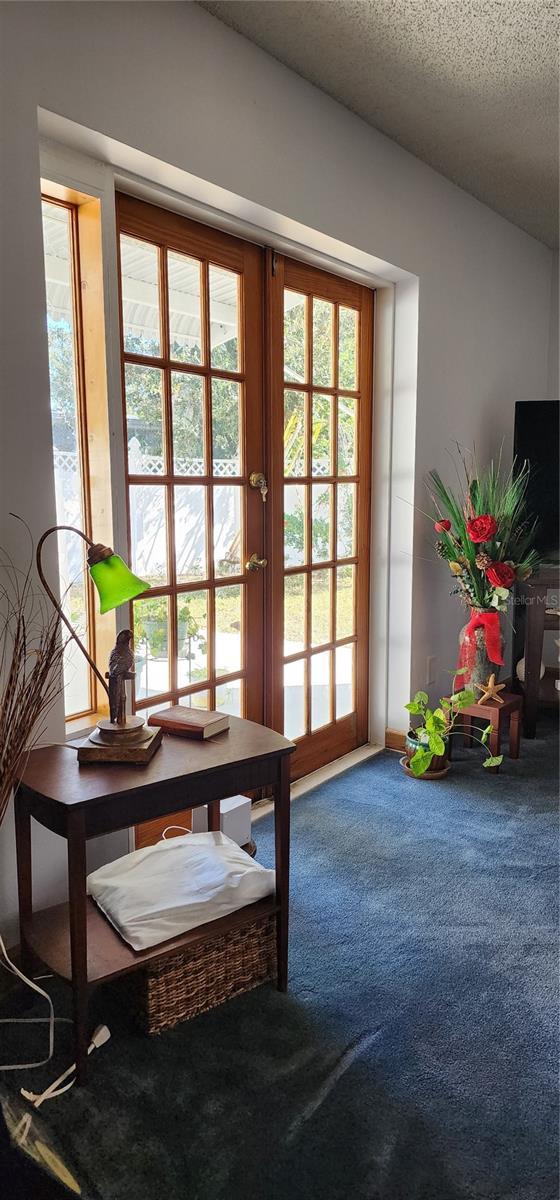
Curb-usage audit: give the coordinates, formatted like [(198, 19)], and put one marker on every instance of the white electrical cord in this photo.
[(10, 966), (101, 1035), (168, 827)]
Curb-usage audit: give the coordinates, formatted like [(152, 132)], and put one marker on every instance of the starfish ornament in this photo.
[(490, 691)]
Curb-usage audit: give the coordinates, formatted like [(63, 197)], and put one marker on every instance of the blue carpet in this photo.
[(415, 1056)]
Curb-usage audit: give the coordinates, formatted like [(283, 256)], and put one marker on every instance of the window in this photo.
[(65, 341)]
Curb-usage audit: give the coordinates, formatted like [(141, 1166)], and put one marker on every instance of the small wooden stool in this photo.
[(492, 712)]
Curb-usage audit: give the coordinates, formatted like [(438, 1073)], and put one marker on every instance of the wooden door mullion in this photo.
[(311, 651), (185, 368), (308, 499), (169, 493), (322, 565), (334, 502), (209, 487), (316, 479), (324, 388), (336, 313), (274, 373), (252, 508)]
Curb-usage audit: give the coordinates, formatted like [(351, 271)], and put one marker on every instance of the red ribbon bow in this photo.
[(490, 623)]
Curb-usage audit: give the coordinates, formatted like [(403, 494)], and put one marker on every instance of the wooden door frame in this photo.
[(262, 378), (352, 731)]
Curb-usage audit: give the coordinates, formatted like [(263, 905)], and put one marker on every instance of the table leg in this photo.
[(24, 875), (467, 737), (518, 638), (533, 656), (77, 899), (514, 733), (494, 741), (282, 855), (214, 816)]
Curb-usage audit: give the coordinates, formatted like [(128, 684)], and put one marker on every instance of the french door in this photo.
[(247, 412), (320, 382), (191, 308)]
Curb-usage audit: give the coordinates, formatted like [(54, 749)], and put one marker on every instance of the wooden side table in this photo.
[(492, 712), (530, 621), (79, 802)]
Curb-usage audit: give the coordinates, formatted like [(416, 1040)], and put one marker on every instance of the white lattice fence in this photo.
[(140, 463), (66, 464)]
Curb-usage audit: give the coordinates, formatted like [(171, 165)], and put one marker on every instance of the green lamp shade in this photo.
[(115, 582)]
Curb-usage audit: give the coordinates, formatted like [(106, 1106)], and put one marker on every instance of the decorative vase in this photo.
[(439, 762), (473, 651)]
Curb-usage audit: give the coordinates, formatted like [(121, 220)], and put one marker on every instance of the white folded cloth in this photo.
[(163, 890)]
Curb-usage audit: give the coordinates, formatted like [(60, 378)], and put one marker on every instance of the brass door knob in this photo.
[(258, 481), (254, 563)]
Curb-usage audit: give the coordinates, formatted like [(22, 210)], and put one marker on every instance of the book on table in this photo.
[(190, 722)]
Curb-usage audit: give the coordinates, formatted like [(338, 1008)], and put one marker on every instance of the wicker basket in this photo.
[(176, 988)]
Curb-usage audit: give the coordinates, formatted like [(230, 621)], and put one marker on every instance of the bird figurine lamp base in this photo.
[(134, 742)]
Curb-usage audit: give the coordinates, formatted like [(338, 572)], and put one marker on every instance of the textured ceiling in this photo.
[(468, 86)]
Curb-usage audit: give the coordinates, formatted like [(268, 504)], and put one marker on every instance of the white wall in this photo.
[(553, 383), (171, 81)]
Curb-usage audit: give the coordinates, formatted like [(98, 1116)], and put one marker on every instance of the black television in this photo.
[(537, 438)]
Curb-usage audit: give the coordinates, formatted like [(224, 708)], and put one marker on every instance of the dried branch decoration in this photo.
[(31, 657)]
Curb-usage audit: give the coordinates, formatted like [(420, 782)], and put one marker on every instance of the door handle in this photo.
[(258, 481), (254, 563)]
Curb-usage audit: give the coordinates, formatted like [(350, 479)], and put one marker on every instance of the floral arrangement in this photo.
[(486, 538), (484, 533)]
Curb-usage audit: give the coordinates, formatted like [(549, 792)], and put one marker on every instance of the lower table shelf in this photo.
[(48, 936)]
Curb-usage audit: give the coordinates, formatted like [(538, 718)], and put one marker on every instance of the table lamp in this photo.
[(120, 738)]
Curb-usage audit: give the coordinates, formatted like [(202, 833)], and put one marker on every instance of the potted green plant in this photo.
[(427, 745)]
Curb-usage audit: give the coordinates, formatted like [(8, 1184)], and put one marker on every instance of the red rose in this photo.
[(481, 529), (500, 574), (442, 526)]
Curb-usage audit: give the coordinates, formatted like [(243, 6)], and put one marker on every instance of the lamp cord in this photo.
[(10, 966)]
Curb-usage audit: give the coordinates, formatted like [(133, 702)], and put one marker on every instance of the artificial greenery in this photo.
[(438, 725), (499, 497)]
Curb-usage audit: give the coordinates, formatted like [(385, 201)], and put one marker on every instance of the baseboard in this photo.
[(307, 782), (394, 740), (337, 767)]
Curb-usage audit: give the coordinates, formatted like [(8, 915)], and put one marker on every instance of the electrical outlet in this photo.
[(431, 669)]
